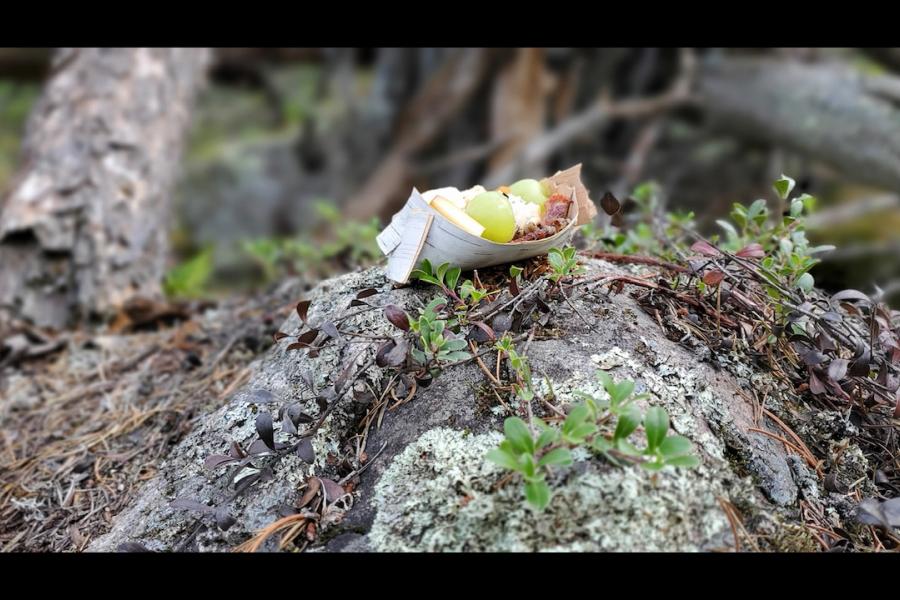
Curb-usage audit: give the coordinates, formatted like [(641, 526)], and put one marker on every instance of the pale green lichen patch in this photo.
[(439, 495)]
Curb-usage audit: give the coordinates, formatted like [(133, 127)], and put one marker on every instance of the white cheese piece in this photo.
[(472, 192), (525, 213), (451, 194)]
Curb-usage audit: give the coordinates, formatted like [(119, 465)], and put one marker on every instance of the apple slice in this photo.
[(459, 218)]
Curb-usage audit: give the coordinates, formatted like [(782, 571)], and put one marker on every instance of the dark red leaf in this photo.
[(618, 220), (713, 277), (861, 366), (188, 504), (501, 323), (610, 204), (258, 447), (488, 333), (886, 514), (332, 490), (308, 337), (891, 509), (832, 484), (329, 329), (815, 384), (751, 251), (287, 424), (850, 295), (832, 317), (513, 286), (312, 488), (396, 356), (236, 451), (259, 396), (264, 429), (215, 461), (303, 309), (382, 352), (356, 302), (224, 520), (307, 378), (869, 512), (305, 451), (397, 316), (838, 369), (897, 404), (366, 293), (824, 342), (132, 547), (813, 357), (705, 248), (279, 335), (297, 416), (342, 379)]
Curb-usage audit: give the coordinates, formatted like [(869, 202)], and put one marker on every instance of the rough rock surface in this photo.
[(430, 489)]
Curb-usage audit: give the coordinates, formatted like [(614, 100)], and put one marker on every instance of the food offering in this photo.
[(477, 227)]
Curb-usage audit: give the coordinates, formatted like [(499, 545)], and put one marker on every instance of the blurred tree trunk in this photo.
[(83, 227)]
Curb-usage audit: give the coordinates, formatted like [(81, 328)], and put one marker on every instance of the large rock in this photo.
[(430, 488)]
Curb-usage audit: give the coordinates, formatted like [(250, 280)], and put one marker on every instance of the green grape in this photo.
[(494, 212), (529, 190)]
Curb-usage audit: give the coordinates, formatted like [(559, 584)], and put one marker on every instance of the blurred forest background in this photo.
[(291, 158)]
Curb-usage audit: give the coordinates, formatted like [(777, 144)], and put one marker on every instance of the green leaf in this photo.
[(576, 417), (419, 356), (784, 185), (455, 356), (756, 209), (428, 279), (729, 229), (806, 282), (455, 345), (809, 202), (605, 379), (687, 461), (515, 271), (442, 270), (556, 260), (504, 459), (601, 444), (518, 435), (529, 468), (656, 424), (557, 456), (620, 391), (547, 436), (653, 465), (538, 494), (452, 277), (582, 431), (190, 277), (675, 445), (627, 447), (629, 420), (796, 207)]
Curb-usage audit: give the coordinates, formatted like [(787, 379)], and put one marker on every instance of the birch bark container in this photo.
[(418, 232)]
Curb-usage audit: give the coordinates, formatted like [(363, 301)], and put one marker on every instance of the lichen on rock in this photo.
[(441, 495)]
